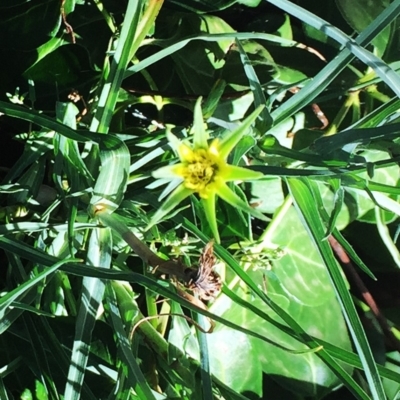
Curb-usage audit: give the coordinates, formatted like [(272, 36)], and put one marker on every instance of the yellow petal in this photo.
[(234, 200), (179, 194), (185, 153), (234, 173), (232, 139), (168, 172), (200, 135)]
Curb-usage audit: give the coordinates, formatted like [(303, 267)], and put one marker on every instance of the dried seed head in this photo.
[(205, 282)]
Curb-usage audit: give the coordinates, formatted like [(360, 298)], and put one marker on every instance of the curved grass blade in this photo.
[(173, 48), (131, 36), (108, 97), (159, 287), (378, 115), (206, 379), (135, 376), (99, 255), (35, 255), (327, 144), (259, 98), (39, 226), (51, 124), (111, 183), (42, 360), (7, 299), (383, 70), (307, 206), (82, 136), (297, 331), (332, 70), (331, 172)]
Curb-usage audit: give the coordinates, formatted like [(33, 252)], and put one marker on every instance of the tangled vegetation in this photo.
[(199, 199)]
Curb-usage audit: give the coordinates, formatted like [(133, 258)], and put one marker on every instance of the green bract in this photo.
[(203, 169)]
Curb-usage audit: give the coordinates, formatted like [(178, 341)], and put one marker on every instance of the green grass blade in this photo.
[(59, 353), (344, 243), (306, 206), (122, 56), (51, 124), (297, 331), (259, 98), (41, 357), (206, 380), (7, 299), (331, 71), (134, 29), (39, 226), (81, 270), (99, 255), (111, 183), (159, 287), (325, 353), (3, 392), (36, 255), (174, 47), (327, 144), (135, 375)]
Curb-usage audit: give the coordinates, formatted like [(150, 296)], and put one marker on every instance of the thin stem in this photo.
[(266, 237), (107, 17), (132, 34), (170, 267), (352, 98)]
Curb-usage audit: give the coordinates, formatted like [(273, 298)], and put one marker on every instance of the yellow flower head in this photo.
[(200, 168), (203, 170)]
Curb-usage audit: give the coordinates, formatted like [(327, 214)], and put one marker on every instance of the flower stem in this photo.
[(171, 267)]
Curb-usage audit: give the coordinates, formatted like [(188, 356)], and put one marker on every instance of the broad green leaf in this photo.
[(360, 13), (203, 5), (278, 304), (232, 355), (267, 204), (43, 51), (286, 368), (250, 3), (197, 64), (306, 205), (216, 37), (300, 271)]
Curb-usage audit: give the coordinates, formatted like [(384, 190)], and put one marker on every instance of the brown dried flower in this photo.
[(205, 282)]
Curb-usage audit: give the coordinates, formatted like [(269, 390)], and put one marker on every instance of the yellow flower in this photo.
[(203, 169)]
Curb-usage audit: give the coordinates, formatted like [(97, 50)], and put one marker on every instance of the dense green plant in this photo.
[(275, 125)]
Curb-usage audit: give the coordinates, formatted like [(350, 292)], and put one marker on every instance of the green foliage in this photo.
[(109, 289)]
